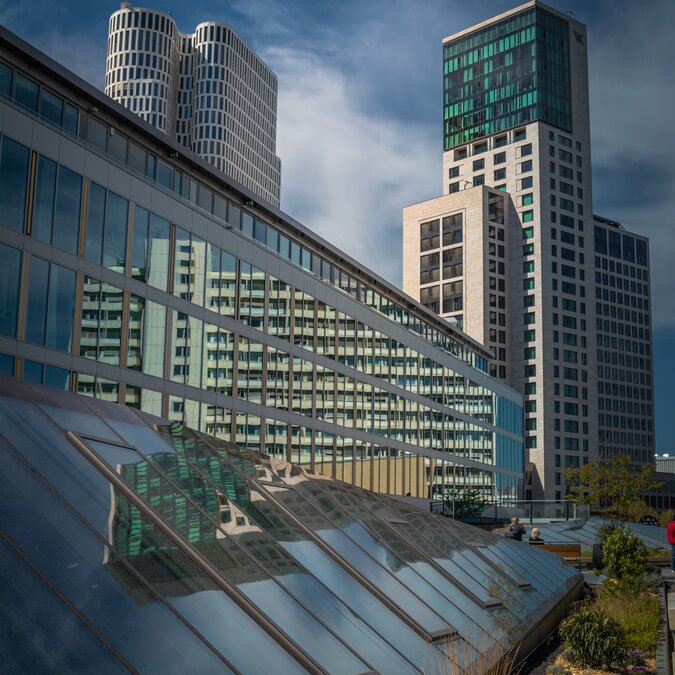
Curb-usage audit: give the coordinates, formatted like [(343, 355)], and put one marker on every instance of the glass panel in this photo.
[(95, 220), (337, 579), (33, 371), (31, 639), (14, 162), (71, 119), (6, 77), (357, 558), (153, 337), (101, 324), (197, 598), (59, 378), (396, 556), (36, 311), (10, 278), (194, 516), (115, 238), (139, 243), (274, 559), (45, 193), (148, 635), (135, 332), (247, 224), (51, 107), (181, 264), (164, 174), (67, 215), (158, 252), (60, 308), (6, 365), (26, 92)]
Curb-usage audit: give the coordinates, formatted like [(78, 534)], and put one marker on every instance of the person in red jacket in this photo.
[(670, 532)]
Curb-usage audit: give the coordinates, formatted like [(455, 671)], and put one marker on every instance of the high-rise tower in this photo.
[(208, 90), (521, 274)]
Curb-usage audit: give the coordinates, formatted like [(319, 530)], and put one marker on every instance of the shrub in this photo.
[(593, 639), (666, 517), (639, 617), (625, 556)]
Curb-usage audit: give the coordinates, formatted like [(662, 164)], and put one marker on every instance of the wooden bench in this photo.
[(565, 551)]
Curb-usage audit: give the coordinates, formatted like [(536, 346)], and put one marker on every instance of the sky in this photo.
[(360, 115)]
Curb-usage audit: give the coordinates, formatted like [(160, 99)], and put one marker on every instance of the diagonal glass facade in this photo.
[(137, 544), (513, 72)]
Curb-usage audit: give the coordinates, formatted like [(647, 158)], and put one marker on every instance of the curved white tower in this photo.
[(208, 90)]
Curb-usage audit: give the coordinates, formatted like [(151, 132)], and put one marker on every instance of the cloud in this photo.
[(347, 174), (631, 132)]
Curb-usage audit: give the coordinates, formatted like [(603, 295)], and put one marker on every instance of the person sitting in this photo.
[(535, 537), (516, 530)]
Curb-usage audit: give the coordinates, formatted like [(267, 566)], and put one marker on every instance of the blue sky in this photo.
[(359, 131)]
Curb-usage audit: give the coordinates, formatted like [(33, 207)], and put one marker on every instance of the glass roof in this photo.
[(138, 544), (585, 532)]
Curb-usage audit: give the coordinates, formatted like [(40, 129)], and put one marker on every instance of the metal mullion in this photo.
[(228, 538), (23, 297), (30, 195), (114, 479), (128, 567), (71, 607), (374, 590)]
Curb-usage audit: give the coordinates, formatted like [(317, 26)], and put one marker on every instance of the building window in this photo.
[(478, 164), (500, 174)]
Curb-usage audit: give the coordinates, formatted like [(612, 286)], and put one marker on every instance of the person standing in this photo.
[(670, 532), (516, 530)]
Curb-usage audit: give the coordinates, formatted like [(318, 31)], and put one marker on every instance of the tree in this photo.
[(465, 503), (613, 484)]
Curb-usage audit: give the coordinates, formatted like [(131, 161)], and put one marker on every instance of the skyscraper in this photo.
[(522, 275), (208, 90)]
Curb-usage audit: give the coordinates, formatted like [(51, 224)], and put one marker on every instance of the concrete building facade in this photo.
[(516, 119), (208, 90), (203, 306)]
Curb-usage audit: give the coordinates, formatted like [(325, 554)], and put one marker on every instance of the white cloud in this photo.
[(347, 174)]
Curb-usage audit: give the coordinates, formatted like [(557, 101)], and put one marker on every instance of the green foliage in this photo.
[(557, 669), (666, 517), (614, 483), (465, 503), (593, 639), (625, 558), (639, 617), (608, 527)]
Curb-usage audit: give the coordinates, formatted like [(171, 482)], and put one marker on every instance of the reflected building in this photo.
[(208, 308)]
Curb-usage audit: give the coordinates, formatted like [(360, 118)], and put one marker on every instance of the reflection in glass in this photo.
[(115, 232), (26, 92), (93, 248), (10, 277), (60, 308), (43, 203), (101, 322), (14, 160)]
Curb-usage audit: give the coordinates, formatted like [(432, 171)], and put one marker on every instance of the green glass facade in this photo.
[(510, 73)]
